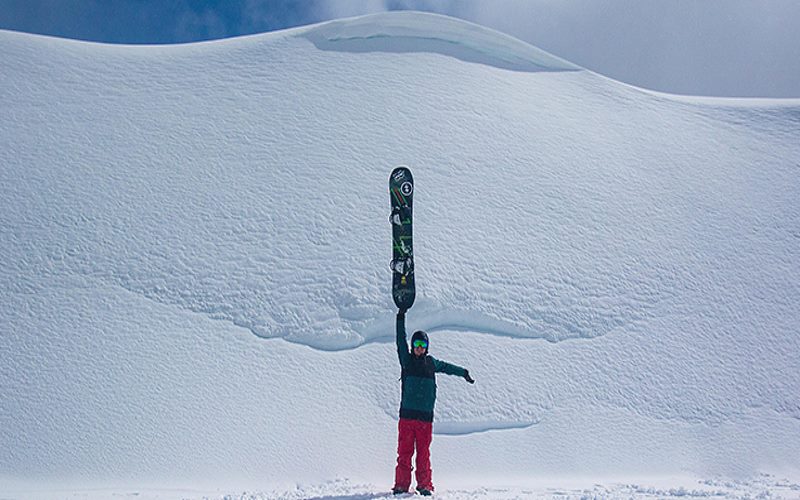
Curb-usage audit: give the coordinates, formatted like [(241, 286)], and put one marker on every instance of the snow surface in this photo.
[(194, 254)]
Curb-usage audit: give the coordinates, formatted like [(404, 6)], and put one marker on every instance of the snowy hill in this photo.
[(195, 247)]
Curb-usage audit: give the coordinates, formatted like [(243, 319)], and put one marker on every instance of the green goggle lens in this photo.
[(420, 343)]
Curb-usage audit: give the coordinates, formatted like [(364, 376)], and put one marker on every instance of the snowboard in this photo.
[(401, 194)]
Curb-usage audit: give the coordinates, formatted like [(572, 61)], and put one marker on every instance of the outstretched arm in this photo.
[(450, 369), (402, 345)]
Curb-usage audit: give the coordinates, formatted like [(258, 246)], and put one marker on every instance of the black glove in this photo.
[(467, 377)]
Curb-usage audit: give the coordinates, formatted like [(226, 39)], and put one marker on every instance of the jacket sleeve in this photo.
[(444, 367), (402, 345)]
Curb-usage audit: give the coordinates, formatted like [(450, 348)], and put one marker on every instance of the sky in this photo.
[(745, 48)]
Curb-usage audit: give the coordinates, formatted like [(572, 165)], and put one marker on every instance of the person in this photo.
[(415, 429)]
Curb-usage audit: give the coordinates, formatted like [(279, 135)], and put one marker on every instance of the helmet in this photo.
[(420, 335)]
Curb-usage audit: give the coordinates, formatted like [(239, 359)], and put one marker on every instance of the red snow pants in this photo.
[(413, 434)]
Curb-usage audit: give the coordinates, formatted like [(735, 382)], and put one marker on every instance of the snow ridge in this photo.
[(408, 32)]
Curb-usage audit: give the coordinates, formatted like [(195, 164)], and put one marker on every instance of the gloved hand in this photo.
[(467, 377)]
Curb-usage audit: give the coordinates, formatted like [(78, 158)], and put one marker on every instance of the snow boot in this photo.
[(424, 492)]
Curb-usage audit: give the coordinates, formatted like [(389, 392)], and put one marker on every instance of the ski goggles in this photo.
[(420, 343)]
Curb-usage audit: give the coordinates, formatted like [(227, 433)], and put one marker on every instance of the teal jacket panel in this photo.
[(418, 377)]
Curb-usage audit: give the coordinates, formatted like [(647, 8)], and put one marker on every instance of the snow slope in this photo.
[(195, 285)]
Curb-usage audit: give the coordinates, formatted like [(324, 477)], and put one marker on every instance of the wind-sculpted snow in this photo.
[(193, 183), (618, 269), (404, 32)]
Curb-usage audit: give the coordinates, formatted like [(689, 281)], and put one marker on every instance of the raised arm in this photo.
[(403, 353)]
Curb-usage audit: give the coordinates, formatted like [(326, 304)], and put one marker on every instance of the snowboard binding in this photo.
[(403, 266), (400, 215)]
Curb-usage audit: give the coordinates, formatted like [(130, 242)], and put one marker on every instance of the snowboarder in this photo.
[(415, 429)]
